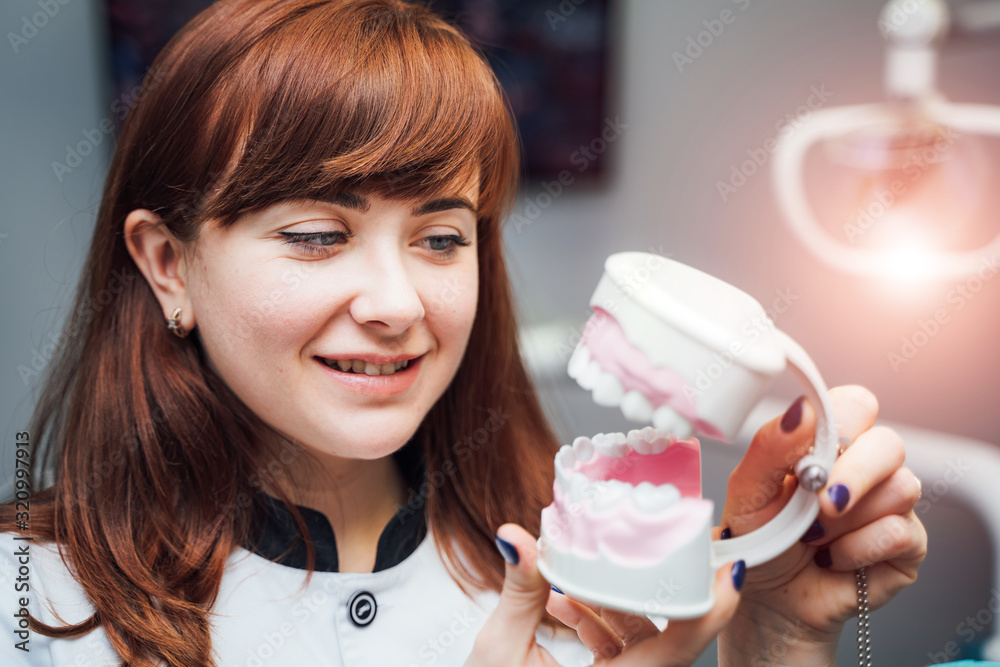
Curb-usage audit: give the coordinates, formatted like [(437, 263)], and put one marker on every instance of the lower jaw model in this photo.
[(627, 527)]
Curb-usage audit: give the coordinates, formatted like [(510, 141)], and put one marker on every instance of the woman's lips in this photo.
[(376, 385)]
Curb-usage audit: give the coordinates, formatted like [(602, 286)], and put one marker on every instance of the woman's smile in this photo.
[(370, 378)]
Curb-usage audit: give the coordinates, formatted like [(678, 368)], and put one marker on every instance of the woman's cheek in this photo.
[(262, 316), (453, 298)]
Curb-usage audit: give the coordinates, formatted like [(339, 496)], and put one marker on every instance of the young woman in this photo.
[(289, 423)]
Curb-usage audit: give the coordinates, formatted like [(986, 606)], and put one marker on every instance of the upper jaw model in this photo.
[(648, 349), (668, 344)]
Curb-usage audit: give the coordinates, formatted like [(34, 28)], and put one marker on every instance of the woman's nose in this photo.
[(388, 297)]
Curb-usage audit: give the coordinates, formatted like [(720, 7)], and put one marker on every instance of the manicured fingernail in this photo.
[(557, 590), (793, 416), (507, 550), (840, 496), (823, 558), (725, 534), (739, 572), (815, 532)]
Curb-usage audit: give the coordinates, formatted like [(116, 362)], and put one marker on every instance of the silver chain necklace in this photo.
[(864, 632)]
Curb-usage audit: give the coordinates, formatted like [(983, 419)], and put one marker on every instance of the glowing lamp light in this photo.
[(910, 263), (916, 176)]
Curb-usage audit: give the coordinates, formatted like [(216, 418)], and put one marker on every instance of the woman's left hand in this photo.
[(615, 638), (795, 605)]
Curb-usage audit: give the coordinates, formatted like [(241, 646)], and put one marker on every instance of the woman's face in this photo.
[(306, 309)]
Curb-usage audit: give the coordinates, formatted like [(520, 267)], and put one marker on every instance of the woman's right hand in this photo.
[(615, 638)]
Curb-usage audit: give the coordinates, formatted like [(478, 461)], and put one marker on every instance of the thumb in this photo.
[(525, 592)]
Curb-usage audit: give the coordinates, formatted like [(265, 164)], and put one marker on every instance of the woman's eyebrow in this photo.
[(350, 200), (360, 203), (444, 204)]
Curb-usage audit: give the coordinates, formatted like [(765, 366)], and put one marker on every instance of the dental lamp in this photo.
[(917, 177)]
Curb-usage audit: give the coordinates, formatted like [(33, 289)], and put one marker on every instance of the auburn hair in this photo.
[(153, 461)]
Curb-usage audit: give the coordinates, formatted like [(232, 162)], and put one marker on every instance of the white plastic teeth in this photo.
[(648, 441), (650, 498), (636, 406), (608, 494), (666, 419), (565, 462), (605, 495), (611, 445), (606, 390), (583, 449)]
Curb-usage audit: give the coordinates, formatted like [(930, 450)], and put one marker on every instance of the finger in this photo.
[(593, 631), (875, 455), (684, 640), (760, 476), (631, 628), (512, 625), (628, 627), (854, 409), (885, 581), (759, 479), (900, 539), (897, 495)]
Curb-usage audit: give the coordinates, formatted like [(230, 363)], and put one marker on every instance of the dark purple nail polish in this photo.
[(823, 558), (793, 416), (840, 496), (815, 532), (507, 550), (739, 572), (557, 590), (725, 534)]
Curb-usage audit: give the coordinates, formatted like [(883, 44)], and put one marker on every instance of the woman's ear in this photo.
[(159, 255)]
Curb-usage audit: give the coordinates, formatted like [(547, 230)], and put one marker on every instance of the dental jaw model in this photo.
[(628, 528)]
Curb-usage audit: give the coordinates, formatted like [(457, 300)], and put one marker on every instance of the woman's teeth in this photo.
[(359, 366)]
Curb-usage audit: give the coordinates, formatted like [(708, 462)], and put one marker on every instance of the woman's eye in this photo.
[(445, 246), (317, 243)]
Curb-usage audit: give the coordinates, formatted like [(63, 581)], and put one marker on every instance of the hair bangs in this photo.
[(384, 98)]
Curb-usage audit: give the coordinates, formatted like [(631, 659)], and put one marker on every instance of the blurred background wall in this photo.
[(676, 131)]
